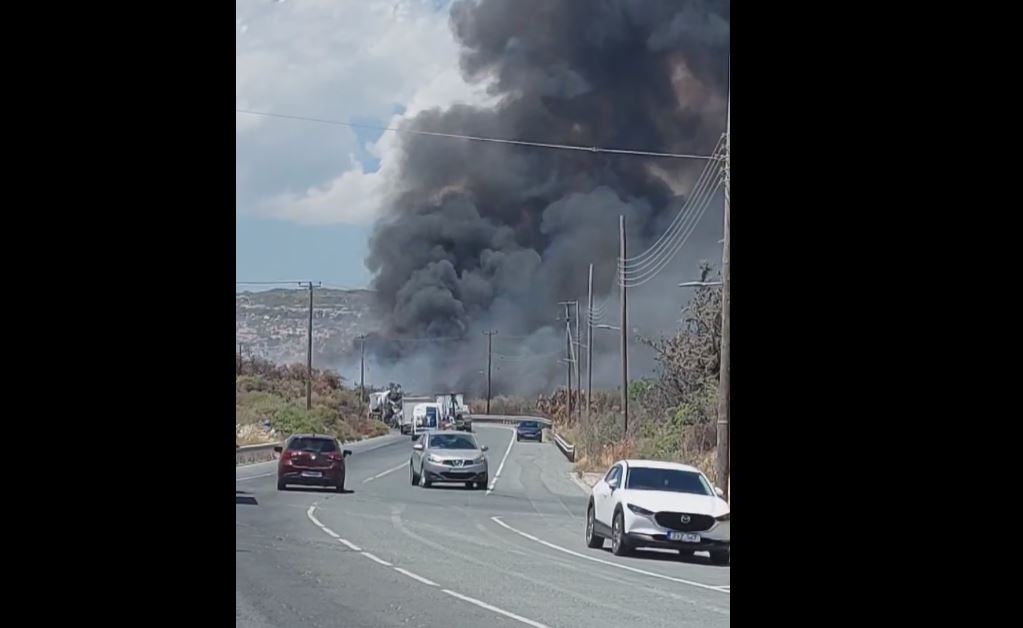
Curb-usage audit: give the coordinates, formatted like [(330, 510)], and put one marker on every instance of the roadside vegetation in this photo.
[(265, 391)]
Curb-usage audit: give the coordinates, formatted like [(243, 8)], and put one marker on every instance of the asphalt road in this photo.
[(391, 554)]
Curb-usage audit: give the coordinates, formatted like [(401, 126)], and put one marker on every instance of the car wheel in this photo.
[(340, 488), (619, 544), (422, 479), (413, 478), (470, 485), (280, 485), (483, 484), (721, 557), (518, 438), (593, 540)]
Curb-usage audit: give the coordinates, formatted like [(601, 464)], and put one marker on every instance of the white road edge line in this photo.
[(253, 477), (471, 600), (701, 585), (500, 467), (489, 607), (416, 577), (376, 559), (380, 475), (351, 545)]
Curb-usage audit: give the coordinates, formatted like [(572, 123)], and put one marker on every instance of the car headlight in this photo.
[(479, 460), (725, 517), (433, 458), (640, 511)]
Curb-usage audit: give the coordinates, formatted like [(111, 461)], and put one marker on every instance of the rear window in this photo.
[(319, 445)]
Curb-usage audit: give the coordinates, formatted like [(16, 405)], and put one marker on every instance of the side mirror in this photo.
[(613, 484), (278, 449), (418, 447), (348, 452), (719, 492), (484, 448)]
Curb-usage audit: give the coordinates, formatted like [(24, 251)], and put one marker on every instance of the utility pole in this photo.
[(723, 463), (362, 371), (490, 345), (589, 344), (309, 349), (625, 326), (568, 354), (578, 357), (240, 363)]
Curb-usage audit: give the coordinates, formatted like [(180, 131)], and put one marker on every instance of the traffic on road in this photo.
[(528, 550)]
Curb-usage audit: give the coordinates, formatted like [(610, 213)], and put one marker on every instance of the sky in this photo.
[(306, 193)]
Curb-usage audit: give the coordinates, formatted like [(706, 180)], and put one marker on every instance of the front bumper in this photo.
[(643, 531), (439, 472)]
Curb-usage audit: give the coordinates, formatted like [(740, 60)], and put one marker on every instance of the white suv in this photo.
[(646, 503)]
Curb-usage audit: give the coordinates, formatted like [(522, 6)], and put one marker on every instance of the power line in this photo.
[(650, 255), (476, 138), (643, 277), (269, 283)]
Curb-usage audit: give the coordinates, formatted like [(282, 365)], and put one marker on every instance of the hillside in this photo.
[(272, 324)]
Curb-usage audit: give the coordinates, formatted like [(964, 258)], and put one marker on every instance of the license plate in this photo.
[(685, 537), (312, 474)]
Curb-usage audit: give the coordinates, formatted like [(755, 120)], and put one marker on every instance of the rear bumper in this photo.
[(295, 477), (538, 436)]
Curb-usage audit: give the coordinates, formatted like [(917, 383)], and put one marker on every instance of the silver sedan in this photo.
[(448, 457)]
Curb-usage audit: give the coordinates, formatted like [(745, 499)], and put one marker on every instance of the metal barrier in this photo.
[(254, 453), (566, 448)]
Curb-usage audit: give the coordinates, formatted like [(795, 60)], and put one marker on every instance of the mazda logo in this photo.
[(685, 518)]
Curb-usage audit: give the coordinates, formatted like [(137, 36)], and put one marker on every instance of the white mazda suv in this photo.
[(647, 503)]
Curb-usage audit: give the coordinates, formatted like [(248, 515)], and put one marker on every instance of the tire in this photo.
[(423, 481), (721, 557), (593, 540), (518, 438), (484, 483), (281, 486), (340, 488), (413, 478), (470, 485), (619, 544)]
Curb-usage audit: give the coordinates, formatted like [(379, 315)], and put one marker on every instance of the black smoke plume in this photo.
[(482, 235)]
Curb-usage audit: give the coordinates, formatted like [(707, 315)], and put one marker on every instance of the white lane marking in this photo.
[(701, 585), (416, 577), (500, 611), (332, 533), (351, 545), (380, 475), (377, 560), (312, 517), (500, 467), (253, 477)]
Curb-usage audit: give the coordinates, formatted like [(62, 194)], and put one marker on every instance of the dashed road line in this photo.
[(416, 577), (494, 609), (380, 475), (493, 482), (376, 559), (700, 585), (421, 579)]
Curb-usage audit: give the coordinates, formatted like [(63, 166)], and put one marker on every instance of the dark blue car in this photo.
[(529, 430)]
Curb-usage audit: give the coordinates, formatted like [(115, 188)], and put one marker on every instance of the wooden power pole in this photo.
[(490, 345), (309, 351), (589, 344), (625, 326), (723, 463)]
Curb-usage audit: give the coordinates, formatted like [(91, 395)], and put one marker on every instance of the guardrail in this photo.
[(254, 453), (508, 419), (566, 448)]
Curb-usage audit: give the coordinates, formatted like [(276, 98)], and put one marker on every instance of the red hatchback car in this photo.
[(311, 460)]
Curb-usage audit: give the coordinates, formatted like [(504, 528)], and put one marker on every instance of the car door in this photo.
[(602, 501)]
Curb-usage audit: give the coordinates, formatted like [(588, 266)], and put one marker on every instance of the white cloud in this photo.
[(342, 61)]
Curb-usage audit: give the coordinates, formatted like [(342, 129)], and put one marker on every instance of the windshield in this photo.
[(529, 424), (319, 445), (673, 480), (451, 441)]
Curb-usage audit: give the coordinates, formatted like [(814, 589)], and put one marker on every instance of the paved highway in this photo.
[(387, 553)]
